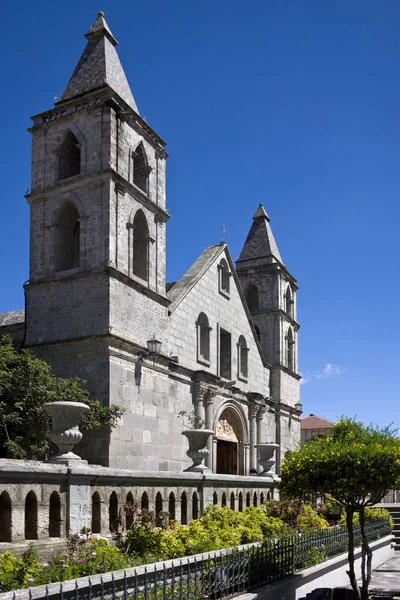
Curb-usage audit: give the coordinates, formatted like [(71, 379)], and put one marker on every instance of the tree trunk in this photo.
[(350, 553), (366, 558)]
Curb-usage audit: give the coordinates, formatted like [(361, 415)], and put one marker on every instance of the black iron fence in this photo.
[(216, 576)]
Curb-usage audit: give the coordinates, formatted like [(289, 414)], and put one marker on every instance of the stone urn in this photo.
[(65, 429), (267, 460), (198, 450)]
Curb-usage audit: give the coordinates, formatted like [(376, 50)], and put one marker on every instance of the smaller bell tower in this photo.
[(270, 292)]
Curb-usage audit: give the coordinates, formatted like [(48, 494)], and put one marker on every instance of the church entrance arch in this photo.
[(230, 436)]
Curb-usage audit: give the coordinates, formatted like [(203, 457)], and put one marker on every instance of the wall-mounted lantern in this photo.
[(299, 407), (154, 347)]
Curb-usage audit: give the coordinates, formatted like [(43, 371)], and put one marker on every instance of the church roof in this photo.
[(260, 242), (192, 276), (314, 422), (99, 66), (12, 318)]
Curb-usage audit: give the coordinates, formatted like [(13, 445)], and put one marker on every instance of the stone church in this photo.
[(97, 291)]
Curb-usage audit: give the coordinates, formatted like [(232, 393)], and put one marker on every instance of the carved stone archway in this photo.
[(230, 442)]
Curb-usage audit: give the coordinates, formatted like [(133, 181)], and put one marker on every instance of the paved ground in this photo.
[(386, 578)]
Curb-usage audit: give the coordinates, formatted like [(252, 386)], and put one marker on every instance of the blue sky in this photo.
[(293, 104)]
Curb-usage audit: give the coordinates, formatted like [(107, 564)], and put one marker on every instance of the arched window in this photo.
[(140, 259), (96, 513), (240, 502), (255, 499), (183, 509), (69, 157), (129, 509), (290, 350), (68, 238), (159, 509), (113, 512), (247, 499), (145, 501), (141, 169), (252, 297), (288, 302), (203, 338), (262, 498), (223, 277), (171, 506), (215, 498), (268, 496), (55, 515), (31, 517), (232, 502), (242, 358), (223, 500), (195, 506), (5, 517)]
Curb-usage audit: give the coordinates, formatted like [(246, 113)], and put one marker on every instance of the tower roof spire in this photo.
[(260, 242), (99, 66)]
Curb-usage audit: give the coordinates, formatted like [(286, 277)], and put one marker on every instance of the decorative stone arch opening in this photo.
[(55, 515), (171, 506), (96, 513), (31, 516), (184, 509), (129, 509), (195, 506), (113, 513), (5, 517), (232, 439)]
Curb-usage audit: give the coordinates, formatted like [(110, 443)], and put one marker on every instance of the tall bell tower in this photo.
[(97, 221), (270, 292)]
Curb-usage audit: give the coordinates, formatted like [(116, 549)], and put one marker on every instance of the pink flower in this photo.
[(94, 553), (45, 565), (31, 579), (80, 560)]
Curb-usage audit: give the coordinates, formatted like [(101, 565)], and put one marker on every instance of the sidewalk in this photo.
[(385, 579)]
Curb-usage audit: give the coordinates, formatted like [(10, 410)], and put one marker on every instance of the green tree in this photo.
[(356, 465), (26, 383)]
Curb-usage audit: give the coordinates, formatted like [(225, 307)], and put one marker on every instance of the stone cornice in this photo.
[(286, 370), (281, 313), (125, 186), (137, 285)]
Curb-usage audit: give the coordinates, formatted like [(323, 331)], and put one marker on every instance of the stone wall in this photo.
[(39, 501)]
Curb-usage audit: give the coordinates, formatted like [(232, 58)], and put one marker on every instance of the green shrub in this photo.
[(310, 519), (371, 513)]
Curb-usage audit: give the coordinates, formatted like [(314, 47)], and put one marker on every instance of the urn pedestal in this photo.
[(267, 460), (198, 450), (65, 429)]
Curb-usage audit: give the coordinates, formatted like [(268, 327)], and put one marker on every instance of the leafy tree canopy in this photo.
[(26, 383), (355, 464)]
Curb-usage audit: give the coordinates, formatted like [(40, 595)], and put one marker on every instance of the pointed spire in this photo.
[(99, 66), (260, 242), (260, 213)]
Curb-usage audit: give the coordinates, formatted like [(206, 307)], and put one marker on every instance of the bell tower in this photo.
[(97, 223), (97, 204), (270, 291)]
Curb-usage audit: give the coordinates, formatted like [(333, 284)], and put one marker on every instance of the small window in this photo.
[(290, 350), (242, 358), (223, 277), (225, 354), (141, 169), (68, 238), (289, 303), (252, 297), (69, 159), (140, 261), (203, 339)]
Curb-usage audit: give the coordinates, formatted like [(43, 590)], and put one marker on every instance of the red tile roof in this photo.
[(314, 422)]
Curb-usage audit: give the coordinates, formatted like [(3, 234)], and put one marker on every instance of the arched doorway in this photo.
[(231, 441)]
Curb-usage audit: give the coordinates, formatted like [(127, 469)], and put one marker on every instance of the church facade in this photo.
[(97, 291)]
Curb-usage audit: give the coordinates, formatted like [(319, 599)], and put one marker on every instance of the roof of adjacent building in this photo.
[(12, 318), (260, 242), (99, 66), (314, 422)]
